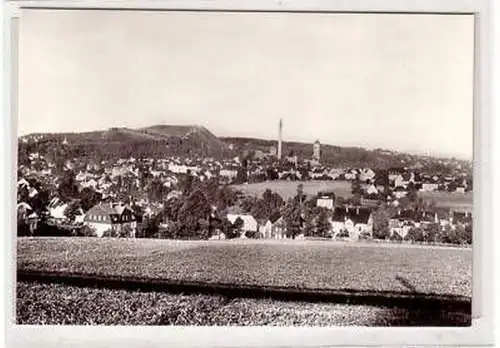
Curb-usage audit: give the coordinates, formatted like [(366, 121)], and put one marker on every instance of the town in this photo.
[(201, 197)]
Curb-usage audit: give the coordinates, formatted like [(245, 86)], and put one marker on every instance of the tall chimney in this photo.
[(279, 138)]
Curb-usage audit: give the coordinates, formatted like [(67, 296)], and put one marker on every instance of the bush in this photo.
[(49, 230), (396, 237), (343, 234), (125, 232), (415, 235), (110, 233), (85, 231), (252, 234), (23, 229), (365, 235)]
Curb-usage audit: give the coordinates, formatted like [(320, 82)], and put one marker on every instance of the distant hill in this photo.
[(193, 140), (159, 140), (336, 156)]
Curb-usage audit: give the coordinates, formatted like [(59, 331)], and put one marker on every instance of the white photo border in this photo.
[(481, 331)]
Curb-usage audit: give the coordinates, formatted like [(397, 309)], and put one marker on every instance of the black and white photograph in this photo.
[(244, 168)]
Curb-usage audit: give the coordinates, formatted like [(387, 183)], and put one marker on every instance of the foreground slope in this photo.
[(57, 304)]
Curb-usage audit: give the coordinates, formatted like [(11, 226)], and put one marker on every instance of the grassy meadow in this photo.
[(288, 189), (454, 200), (289, 264)]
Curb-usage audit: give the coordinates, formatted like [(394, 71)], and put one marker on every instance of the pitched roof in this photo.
[(249, 221), (107, 209), (24, 205), (326, 194), (356, 215), (275, 217)]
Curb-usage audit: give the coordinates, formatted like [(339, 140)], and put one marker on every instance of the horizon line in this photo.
[(267, 138)]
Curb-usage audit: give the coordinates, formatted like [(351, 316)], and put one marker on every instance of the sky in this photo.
[(395, 81)]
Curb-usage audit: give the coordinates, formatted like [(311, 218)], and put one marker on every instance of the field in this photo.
[(288, 189), (453, 200), (56, 304), (292, 264)]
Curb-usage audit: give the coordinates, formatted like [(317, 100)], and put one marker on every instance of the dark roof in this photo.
[(356, 215), (406, 215), (328, 194), (275, 217), (107, 209), (414, 215)]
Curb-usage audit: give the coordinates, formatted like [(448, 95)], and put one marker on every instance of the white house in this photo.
[(22, 183), (429, 187), (399, 181), (32, 192), (366, 174), (182, 168), (249, 222), (80, 216), (110, 217), (326, 200), (400, 192), (56, 209), (228, 173), (274, 227), (353, 221), (371, 189)]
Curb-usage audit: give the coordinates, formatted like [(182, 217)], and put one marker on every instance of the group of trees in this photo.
[(195, 214), (459, 234), (264, 207)]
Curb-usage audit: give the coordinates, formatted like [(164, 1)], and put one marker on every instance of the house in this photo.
[(79, 216), (22, 183), (366, 174), (57, 210), (402, 228), (32, 192), (249, 223), (403, 221), (399, 181), (429, 187), (352, 220), (274, 227), (111, 217), (219, 235), (26, 213), (371, 189), (23, 209), (443, 216), (371, 203), (326, 200), (400, 192), (230, 174)]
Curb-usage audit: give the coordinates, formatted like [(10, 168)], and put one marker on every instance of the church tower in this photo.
[(280, 138), (316, 151)]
